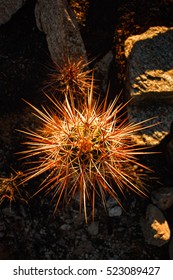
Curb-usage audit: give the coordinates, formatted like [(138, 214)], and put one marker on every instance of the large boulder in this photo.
[(8, 8), (58, 22), (149, 81), (150, 65)]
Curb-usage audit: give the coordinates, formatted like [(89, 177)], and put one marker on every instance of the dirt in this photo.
[(29, 230)]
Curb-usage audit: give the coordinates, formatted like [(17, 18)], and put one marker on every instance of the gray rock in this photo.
[(84, 247), (111, 202), (114, 210), (163, 197), (8, 8), (65, 227), (159, 117), (93, 228), (155, 227), (166, 148), (150, 65), (149, 82), (58, 22), (102, 69)]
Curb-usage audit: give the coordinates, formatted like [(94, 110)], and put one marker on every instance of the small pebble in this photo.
[(115, 211), (93, 228)]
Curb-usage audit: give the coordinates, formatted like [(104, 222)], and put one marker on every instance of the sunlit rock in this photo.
[(58, 22), (155, 227), (150, 65), (149, 82)]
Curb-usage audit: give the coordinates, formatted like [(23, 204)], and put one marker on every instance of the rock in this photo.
[(149, 81), (114, 210), (65, 227), (84, 247), (111, 202), (93, 228), (158, 116), (150, 65), (102, 68), (8, 8), (166, 147), (171, 249), (163, 197), (57, 21), (155, 227)]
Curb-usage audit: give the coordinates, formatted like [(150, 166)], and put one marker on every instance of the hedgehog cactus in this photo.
[(86, 149), (73, 77)]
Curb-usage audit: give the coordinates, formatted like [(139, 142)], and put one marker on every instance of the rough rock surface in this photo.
[(149, 82), (150, 65), (8, 8), (114, 210), (102, 68), (163, 197), (93, 229), (57, 21), (159, 116), (155, 227)]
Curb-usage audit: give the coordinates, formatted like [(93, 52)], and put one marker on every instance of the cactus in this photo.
[(87, 149)]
